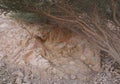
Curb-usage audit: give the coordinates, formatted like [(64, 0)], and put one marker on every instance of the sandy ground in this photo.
[(23, 63)]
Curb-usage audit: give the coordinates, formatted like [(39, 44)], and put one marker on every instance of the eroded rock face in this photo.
[(66, 52)]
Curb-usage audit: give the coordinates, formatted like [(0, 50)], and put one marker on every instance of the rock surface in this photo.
[(67, 59)]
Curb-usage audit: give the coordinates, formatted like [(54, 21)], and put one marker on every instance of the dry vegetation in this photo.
[(72, 38), (93, 24)]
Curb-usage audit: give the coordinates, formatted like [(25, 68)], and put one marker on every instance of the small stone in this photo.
[(9, 83), (61, 78), (83, 57), (54, 83), (66, 77), (73, 77), (18, 81), (71, 62), (61, 45), (90, 65), (70, 46), (26, 78), (54, 70), (2, 64), (18, 73), (4, 79)]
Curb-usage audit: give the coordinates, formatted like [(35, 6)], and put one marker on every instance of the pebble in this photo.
[(27, 79), (73, 77), (18, 81), (4, 79), (2, 64), (54, 70), (54, 83), (18, 73), (61, 78)]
